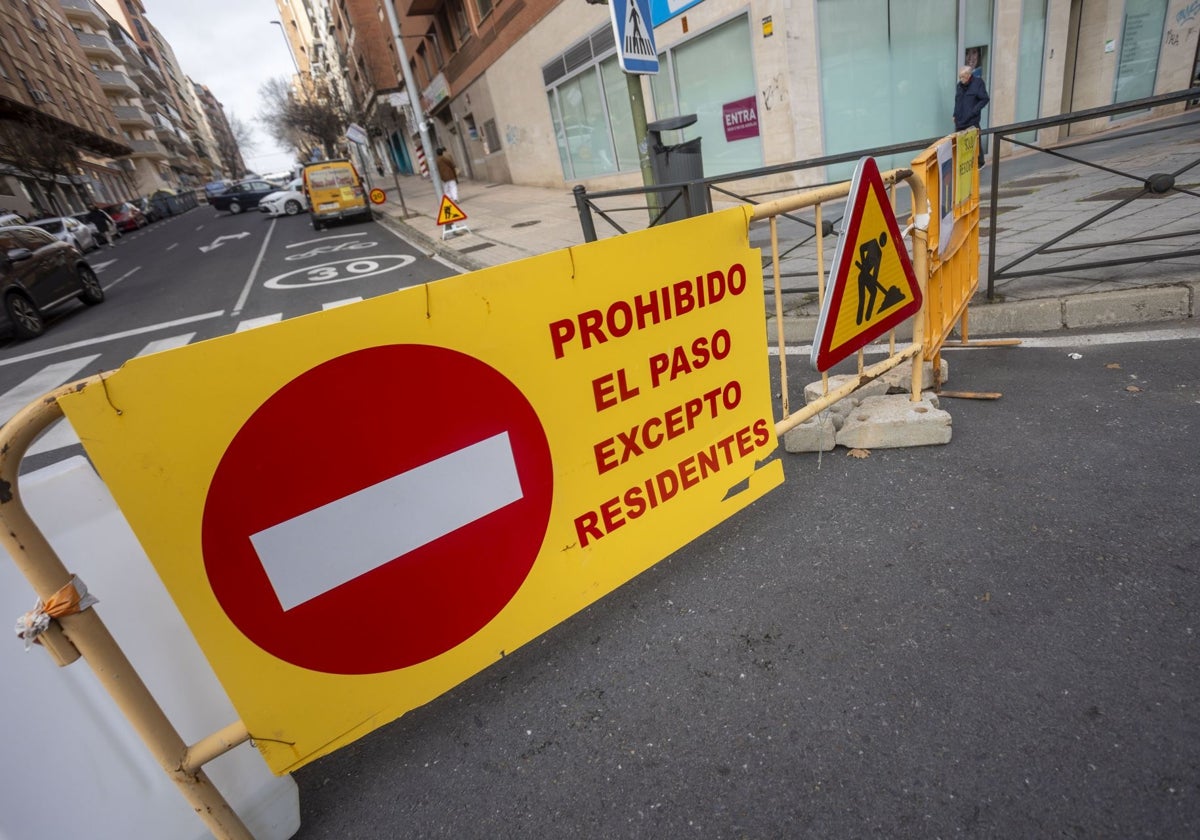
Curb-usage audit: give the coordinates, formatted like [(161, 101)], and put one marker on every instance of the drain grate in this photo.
[(528, 224), (475, 248), (1041, 180)]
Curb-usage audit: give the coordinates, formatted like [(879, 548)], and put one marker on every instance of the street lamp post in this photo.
[(414, 98), (283, 32)]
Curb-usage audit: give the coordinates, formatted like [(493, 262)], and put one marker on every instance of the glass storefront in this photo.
[(712, 76), (1141, 37)]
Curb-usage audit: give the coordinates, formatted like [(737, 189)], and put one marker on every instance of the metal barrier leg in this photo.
[(85, 631)]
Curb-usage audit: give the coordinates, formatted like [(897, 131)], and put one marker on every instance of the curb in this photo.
[(423, 242), (1118, 307)]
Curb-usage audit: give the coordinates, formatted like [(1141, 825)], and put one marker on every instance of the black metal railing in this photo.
[(657, 199)]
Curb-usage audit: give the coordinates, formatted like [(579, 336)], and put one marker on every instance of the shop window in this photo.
[(712, 75), (491, 137), (472, 131), (580, 83), (1141, 37)]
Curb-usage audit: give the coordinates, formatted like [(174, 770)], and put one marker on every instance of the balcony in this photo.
[(116, 81), (132, 115), (148, 149), (84, 11), (99, 46)]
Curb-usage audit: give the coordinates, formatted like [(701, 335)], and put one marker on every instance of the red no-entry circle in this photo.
[(349, 424)]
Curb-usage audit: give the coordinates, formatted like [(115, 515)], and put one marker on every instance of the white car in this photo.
[(71, 231), (289, 201)]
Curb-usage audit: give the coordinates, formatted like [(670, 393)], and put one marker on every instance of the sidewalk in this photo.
[(1039, 198)]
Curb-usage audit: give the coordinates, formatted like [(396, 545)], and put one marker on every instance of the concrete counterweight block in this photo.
[(816, 434), (895, 421)]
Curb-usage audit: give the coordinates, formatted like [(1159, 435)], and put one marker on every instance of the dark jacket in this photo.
[(969, 101)]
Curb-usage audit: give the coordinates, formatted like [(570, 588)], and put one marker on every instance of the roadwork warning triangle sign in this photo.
[(449, 212), (872, 284)]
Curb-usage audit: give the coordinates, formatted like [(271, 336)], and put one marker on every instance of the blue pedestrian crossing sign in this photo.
[(635, 36)]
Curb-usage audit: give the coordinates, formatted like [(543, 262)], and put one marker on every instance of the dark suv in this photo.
[(38, 272)]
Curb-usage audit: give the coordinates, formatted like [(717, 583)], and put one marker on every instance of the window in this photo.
[(580, 84), (460, 23), (491, 137), (484, 7), (443, 22)]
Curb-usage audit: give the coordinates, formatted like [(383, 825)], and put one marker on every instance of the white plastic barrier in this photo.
[(70, 759)]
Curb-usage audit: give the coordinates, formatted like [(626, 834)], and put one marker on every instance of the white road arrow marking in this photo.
[(314, 552), (216, 243)]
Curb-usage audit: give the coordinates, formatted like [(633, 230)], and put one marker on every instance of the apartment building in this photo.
[(225, 147), (172, 159), (529, 91), (48, 90)]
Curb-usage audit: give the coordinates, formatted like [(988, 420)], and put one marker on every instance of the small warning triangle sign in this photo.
[(449, 212), (872, 285)]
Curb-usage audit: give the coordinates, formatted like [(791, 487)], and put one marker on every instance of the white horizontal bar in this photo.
[(310, 554)]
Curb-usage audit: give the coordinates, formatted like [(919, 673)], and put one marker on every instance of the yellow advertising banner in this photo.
[(358, 509), (966, 157)]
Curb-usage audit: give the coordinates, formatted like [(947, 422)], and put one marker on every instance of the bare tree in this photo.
[(233, 148), (313, 116), (36, 146)]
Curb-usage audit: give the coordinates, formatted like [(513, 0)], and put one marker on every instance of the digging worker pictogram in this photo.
[(870, 256)]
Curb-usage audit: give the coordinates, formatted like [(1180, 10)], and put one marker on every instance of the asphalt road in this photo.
[(994, 638), (197, 276)]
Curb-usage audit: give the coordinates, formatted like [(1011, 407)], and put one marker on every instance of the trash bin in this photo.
[(677, 164)]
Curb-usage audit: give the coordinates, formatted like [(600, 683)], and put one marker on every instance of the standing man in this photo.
[(103, 224), (448, 172), (970, 97)]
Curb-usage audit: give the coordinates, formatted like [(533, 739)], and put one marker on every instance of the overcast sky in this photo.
[(232, 47)]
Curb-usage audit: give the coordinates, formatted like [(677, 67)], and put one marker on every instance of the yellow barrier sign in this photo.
[(884, 289), (359, 509)]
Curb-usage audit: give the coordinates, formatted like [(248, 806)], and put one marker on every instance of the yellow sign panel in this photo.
[(358, 509), (449, 212), (966, 157), (872, 284)]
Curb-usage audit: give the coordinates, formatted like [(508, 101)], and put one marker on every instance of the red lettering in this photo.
[(604, 455), (687, 472), (602, 387), (611, 512), (560, 333), (590, 324), (585, 528)]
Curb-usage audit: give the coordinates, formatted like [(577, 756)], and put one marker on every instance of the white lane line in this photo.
[(113, 337), (255, 323), (100, 266), (336, 303), (46, 379), (325, 239), (128, 273), (167, 343), (60, 433), (314, 552), (172, 245), (241, 301)]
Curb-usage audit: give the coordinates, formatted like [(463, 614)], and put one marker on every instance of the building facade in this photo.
[(529, 91), (47, 88)]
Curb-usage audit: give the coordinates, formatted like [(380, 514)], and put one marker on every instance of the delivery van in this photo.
[(334, 191)]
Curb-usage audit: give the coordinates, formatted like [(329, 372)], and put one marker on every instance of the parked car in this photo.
[(37, 273), (126, 216), (244, 195), (290, 200), (148, 208), (11, 219), (70, 230)]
